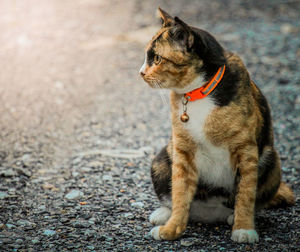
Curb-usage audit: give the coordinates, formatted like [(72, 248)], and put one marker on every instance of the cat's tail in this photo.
[(284, 197)]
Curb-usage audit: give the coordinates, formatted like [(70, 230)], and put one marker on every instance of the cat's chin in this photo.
[(154, 86), (196, 83), (150, 83)]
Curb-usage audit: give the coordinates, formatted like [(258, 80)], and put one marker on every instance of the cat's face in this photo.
[(169, 62)]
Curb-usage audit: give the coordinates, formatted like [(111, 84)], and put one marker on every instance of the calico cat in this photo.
[(220, 164)]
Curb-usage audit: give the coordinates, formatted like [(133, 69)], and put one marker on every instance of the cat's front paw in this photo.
[(245, 236), (160, 216), (155, 233), (167, 232)]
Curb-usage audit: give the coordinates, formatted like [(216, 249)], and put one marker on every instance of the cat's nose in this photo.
[(142, 73), (142, 70)]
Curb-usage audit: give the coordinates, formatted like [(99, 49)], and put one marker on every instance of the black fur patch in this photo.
[(266, 195), (150, 56), (162, 184), (226, 90), (213, 55), (266, 164), (209, 50), (264, 138), (204, 192)]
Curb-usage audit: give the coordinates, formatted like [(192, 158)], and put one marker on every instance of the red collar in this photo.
[(207, 88)]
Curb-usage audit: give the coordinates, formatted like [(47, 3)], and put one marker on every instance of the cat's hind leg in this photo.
[(161, 172), (272, 192), (283, 197)]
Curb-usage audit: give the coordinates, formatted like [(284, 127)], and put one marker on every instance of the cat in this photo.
[(220, 163)]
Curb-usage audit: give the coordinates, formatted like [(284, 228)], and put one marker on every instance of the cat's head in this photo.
[(178, 54)]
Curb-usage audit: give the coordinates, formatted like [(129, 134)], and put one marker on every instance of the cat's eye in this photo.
[(157, 59)]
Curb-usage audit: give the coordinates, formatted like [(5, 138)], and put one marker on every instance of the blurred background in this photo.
[(69, 84), (67, 66)]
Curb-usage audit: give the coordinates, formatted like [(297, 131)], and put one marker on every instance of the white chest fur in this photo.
[(213, 163)]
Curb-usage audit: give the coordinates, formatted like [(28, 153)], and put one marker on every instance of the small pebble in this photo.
[(286, 28), (89, 232), (139, 228), (16, 247), (8, 173), (74, 194), (137, 204), (35, 241), (10, 226), (128, 215), (186, 243), (25, 223), (24, 172), (107, 177), (148, 236), (49, 232), (75, 174), (19, 241)]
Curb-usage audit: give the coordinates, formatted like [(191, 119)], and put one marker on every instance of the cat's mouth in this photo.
[(153, 83)]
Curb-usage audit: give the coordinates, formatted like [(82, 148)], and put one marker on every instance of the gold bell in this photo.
[(184, 117)]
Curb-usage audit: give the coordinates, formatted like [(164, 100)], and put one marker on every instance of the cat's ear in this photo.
[(183, 34), (166, 19)]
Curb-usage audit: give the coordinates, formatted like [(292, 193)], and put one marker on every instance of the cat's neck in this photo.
[(196, 83), (205, 74)]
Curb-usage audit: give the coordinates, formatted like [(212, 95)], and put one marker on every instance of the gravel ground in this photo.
[(79, 128)]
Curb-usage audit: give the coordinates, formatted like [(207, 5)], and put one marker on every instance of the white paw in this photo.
[(160, 216), (230, 219), (155, 233), (244, 236)]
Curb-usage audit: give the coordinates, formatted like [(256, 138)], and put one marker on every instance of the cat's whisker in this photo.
[(161, 93)]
